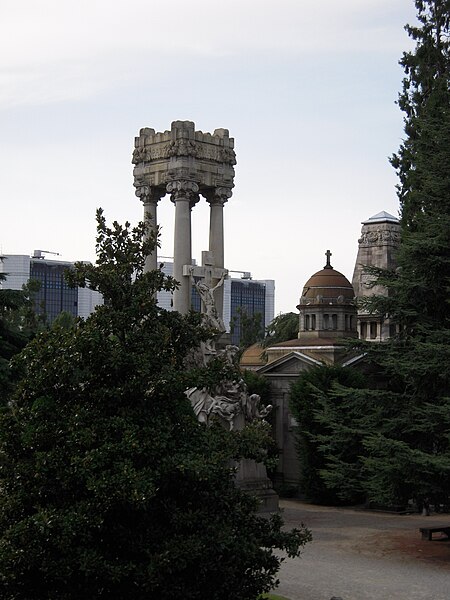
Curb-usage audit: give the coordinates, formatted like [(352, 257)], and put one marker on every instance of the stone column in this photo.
[(184, 194), (216, 201), (150, 196)]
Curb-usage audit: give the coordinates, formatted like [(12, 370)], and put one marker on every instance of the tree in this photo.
[(406, 440), (416, 452), (329, 434), (284, 327), (111, 488), (18, 325), (250, 327)]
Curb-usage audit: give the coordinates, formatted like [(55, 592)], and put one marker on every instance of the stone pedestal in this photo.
[(251, 477)]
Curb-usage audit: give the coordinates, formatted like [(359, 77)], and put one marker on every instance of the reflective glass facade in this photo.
[(54, 295), (248, 296)]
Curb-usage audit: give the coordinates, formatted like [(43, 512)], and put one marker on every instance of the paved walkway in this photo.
[(362, 555)]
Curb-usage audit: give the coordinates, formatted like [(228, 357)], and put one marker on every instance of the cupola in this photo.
[(327, 307)]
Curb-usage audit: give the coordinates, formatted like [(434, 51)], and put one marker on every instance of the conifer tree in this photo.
[(403, 422), (408, 454)]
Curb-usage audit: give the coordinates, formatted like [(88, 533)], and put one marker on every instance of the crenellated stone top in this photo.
[(183, 153), (183, 140)]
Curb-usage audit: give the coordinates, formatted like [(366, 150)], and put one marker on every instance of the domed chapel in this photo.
[(328, 317)]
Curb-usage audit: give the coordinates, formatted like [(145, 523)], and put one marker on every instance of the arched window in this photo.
[(307, 324), (373, 330), (326, 321), (313, 322), (334, 321)]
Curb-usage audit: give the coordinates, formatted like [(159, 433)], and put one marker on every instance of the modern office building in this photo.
[(54, 295), (239, 294)]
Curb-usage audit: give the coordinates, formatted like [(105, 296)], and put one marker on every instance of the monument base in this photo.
[(251, 477)]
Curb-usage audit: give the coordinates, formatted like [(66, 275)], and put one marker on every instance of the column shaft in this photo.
[(182, 255), (150, 197), (216, 237), (151, 262), (216, 244), (184, 194)]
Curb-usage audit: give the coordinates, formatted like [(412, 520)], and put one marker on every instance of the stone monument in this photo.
[(234, 407), (377, 247), (186, 163)]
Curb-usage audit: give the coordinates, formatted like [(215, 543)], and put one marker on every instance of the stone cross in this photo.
[(328, 254), (210, 287)]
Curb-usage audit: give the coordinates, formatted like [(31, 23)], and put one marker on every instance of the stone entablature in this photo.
[(183, 153)]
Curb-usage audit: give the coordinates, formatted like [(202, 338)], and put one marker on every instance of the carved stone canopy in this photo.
[(183, 154)]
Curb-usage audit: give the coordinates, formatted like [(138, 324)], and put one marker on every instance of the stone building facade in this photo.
[(377, 247), (328, 316)]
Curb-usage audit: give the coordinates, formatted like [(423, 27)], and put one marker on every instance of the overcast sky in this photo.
[(307, 90)]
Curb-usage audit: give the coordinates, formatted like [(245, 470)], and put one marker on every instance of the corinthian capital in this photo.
[(149, 194), (219, 195), (183, 189)]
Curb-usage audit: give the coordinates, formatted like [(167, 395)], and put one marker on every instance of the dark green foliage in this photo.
[(110, 487), (425, 102), (64, 320), (329, 434), (257, 384), (18, 325), (284, 327), (411, 457)]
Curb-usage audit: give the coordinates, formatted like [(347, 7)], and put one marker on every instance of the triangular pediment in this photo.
[(289, 364)]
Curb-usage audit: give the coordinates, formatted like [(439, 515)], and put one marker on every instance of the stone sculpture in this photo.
[(234, 402), (206, 293)]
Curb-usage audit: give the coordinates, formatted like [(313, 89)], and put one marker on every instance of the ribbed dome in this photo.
[(328, 284)]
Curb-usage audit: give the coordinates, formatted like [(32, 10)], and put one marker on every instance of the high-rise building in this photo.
[(239, 294), (54, 295)]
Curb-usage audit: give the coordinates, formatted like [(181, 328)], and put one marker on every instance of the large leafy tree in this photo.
[(110, 487), (18, 325)]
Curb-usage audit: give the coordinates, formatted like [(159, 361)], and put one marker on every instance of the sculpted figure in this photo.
[(232, 400), (206, 293), (230, 354), (252, 408), (206, 406)]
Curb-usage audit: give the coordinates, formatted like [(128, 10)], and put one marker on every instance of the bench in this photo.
[(427, 532)]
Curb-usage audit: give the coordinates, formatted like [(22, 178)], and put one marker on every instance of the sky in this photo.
[(307, 90)]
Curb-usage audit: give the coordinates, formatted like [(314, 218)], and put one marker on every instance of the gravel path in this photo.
[(362, 555)]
